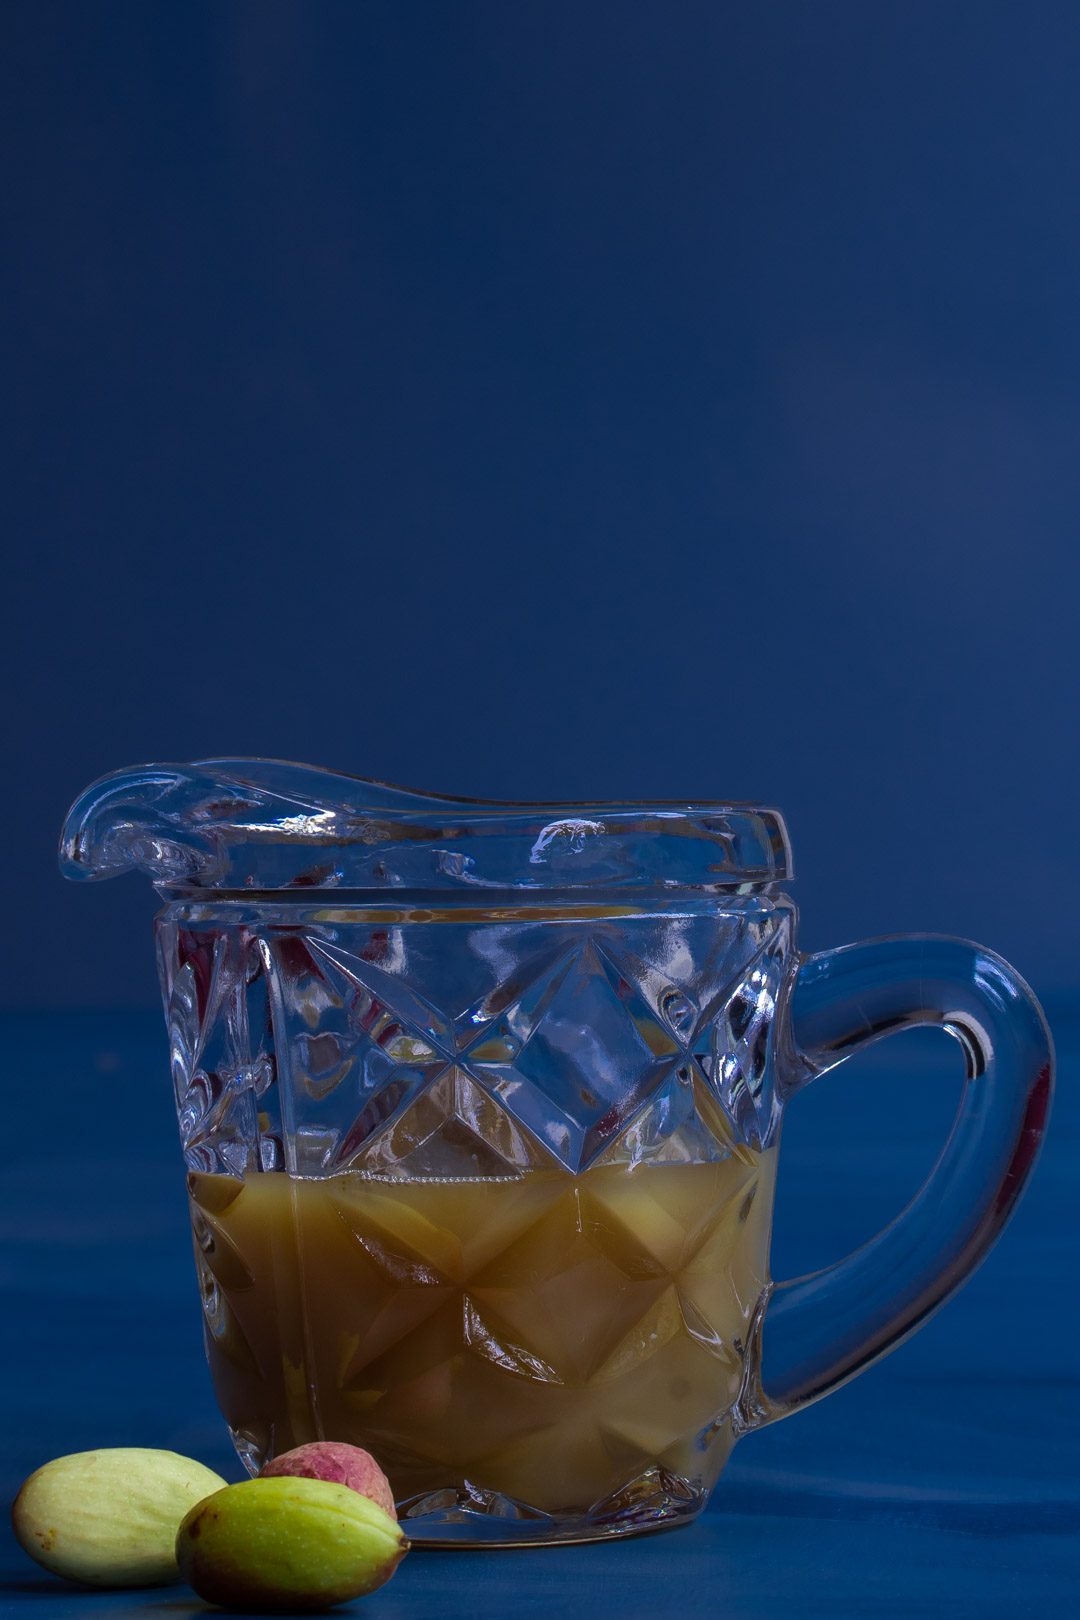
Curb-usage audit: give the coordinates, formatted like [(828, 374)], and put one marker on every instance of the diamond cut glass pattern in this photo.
[(598, 1043), (575, 1056), (493, 1325), (518, 1247)]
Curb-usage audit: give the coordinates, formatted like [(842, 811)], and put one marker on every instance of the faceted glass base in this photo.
[(470, 1529), (470, 1516)]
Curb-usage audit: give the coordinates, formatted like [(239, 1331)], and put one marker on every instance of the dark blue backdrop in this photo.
[(550, 399), (554, 400)]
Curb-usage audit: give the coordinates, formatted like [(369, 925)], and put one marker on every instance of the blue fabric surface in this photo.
[(944, 1481)]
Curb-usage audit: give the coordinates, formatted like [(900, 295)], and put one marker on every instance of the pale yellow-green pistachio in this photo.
[(109, 1518)]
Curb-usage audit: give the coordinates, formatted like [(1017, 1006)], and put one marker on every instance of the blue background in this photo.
[(556, 400), (563, 401)]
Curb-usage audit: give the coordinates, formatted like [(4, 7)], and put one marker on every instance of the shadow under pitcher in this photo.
[(480, 1106)]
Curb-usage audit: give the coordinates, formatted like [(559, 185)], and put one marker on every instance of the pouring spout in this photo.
[(223, 823), (141, 820)]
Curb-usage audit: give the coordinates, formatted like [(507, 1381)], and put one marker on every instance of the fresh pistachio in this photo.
[(287, 1544), (109, 1518)]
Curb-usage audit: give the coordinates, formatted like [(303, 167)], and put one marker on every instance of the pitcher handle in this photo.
[(822, 1329)]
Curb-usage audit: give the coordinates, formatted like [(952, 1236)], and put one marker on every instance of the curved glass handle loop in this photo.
[(822, 1329)]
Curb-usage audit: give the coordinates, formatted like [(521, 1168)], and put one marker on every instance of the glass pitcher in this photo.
[(480, 1106)]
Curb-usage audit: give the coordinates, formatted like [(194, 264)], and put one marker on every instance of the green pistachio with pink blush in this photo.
[(287, 1544)]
